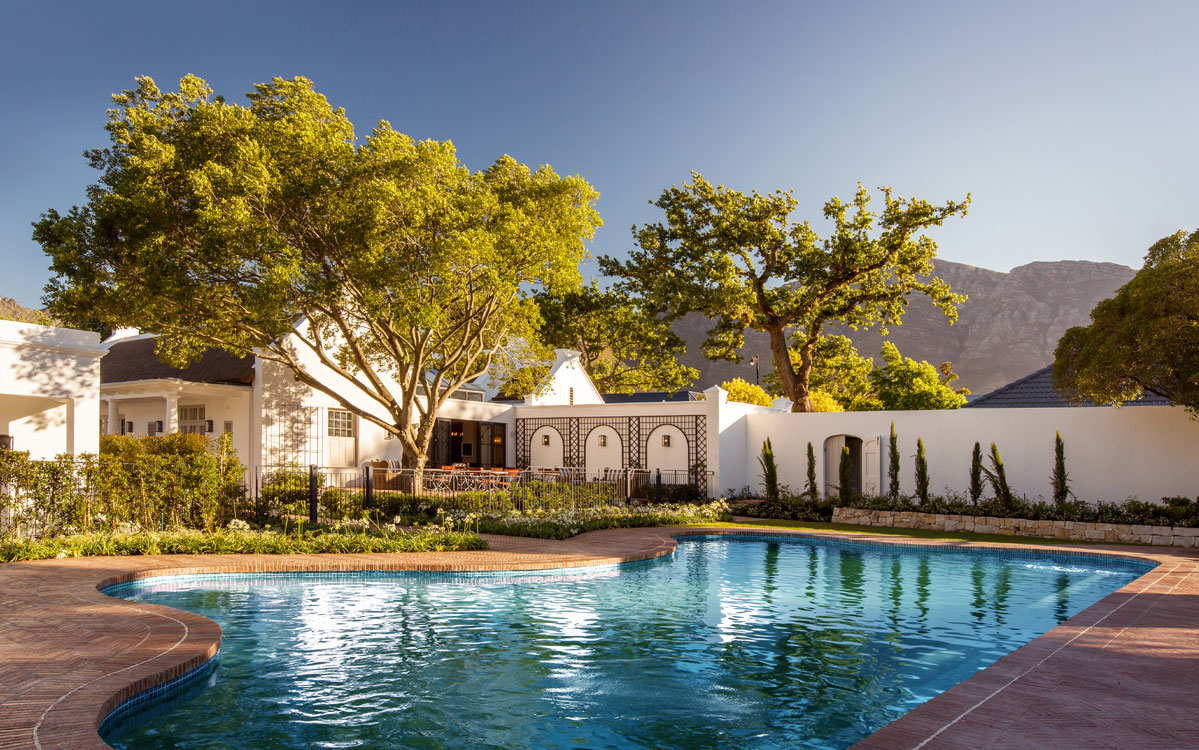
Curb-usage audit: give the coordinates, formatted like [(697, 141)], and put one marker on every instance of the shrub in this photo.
[(997, 476), (568, 523), (770, 472)]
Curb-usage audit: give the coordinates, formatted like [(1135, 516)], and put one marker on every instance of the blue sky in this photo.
[(1072, 124)]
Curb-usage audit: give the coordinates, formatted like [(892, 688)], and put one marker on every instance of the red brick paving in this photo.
[(1122, 674)]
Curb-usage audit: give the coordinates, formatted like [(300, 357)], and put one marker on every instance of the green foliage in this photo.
[(789, 508), (921, 472), (567, 523), (845, 491), (838, 371), (270, 228), (823, 402), (1060, 478), (1172, 511), (745, 392), (903, 383), (976, 474), (770, 472), (893, 465), (230, 542), (998, 478), (810, 489), (624, 348), (1144, 339), (168, 482), (740, 260)]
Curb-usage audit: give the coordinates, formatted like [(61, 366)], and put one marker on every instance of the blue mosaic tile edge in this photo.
[(162, 691)]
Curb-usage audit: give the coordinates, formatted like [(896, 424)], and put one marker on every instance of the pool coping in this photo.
[(70, 655)]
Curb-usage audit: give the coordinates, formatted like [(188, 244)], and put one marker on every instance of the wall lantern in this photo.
[(666, 441), (603, 441), (545, 439)]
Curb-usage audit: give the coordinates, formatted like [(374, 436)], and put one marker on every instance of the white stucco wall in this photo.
[(50, 388), (1111, 454), (231, 405)]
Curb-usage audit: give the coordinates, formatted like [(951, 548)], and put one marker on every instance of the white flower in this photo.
[(391, 526), (61, 554), (101, 518), (238, 525)]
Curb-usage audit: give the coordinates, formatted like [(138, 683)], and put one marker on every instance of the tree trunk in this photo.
[(795, 385)]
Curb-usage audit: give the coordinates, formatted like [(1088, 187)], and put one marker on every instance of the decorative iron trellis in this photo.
[(634, 433)]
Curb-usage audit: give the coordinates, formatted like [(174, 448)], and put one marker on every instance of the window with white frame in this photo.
[(191, 420), (341, 423)]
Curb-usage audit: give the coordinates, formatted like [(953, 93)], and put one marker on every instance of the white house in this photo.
[(1143, 449), (49, 389)]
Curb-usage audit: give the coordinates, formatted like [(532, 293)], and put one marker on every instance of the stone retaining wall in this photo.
[(1169, 536)]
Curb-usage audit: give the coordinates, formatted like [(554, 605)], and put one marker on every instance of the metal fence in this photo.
[(39, 498), (322, 494)]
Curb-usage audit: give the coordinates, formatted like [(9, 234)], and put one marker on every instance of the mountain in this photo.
[(10, 309), (1007, 328)]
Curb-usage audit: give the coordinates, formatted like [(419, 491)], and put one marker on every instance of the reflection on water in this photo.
[(730, 644)]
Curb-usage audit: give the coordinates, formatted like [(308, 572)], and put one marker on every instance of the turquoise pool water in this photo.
[(732, 643)]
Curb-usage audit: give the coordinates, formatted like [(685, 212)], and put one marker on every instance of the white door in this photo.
[(872, 466), (343, 443)]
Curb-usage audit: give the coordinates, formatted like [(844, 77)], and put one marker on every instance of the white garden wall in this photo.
[(1111, 454), (50, 388)]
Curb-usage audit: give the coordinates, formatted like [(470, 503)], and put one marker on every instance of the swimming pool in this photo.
[(733, 643)]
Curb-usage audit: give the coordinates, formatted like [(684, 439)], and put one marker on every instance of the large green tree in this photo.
[(625, 349), (902, 383), (1145, 339), (270, 228), (740, 260)]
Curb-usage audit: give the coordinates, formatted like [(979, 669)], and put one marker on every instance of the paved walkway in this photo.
[(1122, 674)]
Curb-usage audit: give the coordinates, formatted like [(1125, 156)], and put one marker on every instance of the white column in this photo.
[(114, 426), (171, 423)]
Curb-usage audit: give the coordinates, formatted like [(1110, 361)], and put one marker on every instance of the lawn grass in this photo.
[(946, 536)]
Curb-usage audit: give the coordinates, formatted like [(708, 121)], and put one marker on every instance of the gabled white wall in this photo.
[(568, 384)]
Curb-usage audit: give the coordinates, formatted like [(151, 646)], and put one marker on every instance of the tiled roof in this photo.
[(1036, 391), (127, 361), (649, 397)]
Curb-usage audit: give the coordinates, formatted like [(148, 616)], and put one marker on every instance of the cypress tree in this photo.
[(810, 489), (921, 472), (893, 467), (1060, 478), (976, 474)]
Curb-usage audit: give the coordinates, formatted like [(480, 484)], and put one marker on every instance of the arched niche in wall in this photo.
[(603, 449), (546, 448), (666, 449)]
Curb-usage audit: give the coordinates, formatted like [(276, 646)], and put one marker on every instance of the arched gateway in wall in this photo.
[(633, 434)]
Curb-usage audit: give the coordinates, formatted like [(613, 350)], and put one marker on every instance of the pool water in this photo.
[(731, 643)]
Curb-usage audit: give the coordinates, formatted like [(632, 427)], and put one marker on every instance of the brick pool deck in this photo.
[(1123, 673)]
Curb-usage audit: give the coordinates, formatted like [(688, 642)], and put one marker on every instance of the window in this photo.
[(191, 420), (341, 423)]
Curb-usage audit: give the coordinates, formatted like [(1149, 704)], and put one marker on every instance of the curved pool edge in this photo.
[(98, 652)]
